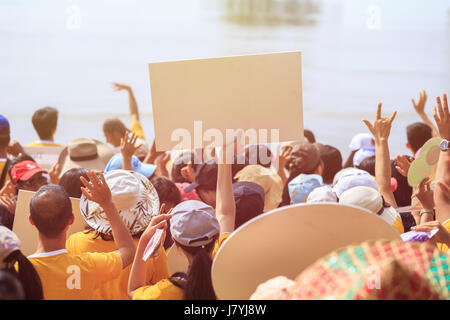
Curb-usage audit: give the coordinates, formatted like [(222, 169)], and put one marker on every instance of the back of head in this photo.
[(304, 158), (45, 121), (51, 210), (195, 229), (332, 161), (249, 198), (71, 182), (417, 134), (168, 192), (368, 164), (114, 124)]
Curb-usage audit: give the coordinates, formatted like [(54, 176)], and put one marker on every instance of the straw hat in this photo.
[(377, 270), (84, 153), (134, 197), (269, 180)]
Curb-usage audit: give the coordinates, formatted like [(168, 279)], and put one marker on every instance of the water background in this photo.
[(355, 53)]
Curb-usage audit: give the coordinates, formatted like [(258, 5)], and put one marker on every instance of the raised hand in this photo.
[(442, 117), (120, 86), (425, 194), (442, 236), (54, 173), (420, 105), (96, 189), (127, 145), (157, 222), (402, 165), (8, 189), (188, 173), (381, 128), (9, 202)]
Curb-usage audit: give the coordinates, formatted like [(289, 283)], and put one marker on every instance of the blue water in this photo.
[(355, 53)]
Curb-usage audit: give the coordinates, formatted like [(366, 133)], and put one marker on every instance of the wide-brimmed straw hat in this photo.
[(377, 270), (134, 197), (84, 153)]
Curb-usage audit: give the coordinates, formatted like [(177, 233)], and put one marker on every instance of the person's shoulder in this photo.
[(164, 289)]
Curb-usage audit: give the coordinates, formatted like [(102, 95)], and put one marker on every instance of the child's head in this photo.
[(51, 211)]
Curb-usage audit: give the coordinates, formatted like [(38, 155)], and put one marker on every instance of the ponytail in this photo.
[(27, 275), (199, 283)]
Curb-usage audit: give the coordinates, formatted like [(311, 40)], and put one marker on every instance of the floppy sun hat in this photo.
[(133, 195), (377, 270)]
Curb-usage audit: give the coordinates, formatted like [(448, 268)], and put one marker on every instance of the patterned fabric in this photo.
[(377, 270)]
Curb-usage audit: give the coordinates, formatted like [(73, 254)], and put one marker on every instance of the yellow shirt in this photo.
[(136, 128), (40, 143), (2, 166), (165, 289), (117, 288), (443, 247), (66, 276)]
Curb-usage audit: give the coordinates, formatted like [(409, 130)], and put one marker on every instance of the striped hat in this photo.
[(377, 270)]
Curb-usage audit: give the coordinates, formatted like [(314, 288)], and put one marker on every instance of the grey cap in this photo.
[(9, 243), (193, 223)]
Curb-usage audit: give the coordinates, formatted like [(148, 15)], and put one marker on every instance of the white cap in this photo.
[(361, 140), (362, 154), (371, 200), (352, 177), (322, 194)]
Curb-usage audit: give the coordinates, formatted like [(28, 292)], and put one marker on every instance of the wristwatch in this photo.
[(445, 145)]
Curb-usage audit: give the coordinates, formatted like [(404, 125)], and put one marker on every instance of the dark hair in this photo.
[(199, 283), (10, 287), (404, 191), (368, 165), (349, 162), (71, 182), (51, 210), (332, 161), (44, 122), (258, 154), (26, 274), (309, 135), (417, 134), (114, 124)]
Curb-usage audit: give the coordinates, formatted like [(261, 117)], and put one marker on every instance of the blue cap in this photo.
[(302, 185), (145, 169), (4, 125)]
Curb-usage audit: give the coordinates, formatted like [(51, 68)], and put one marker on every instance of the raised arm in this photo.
[(134, 112), (139, 269), (442, 190), (97, 190), (225, 205), (381, 129), (420, 109)]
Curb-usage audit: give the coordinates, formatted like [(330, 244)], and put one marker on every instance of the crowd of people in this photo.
[(128, 191)]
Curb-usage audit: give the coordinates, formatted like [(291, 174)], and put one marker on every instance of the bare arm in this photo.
[(442, 191), (97, 190), (225, 205), (381, 129), (134, 112), (138, 272)]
